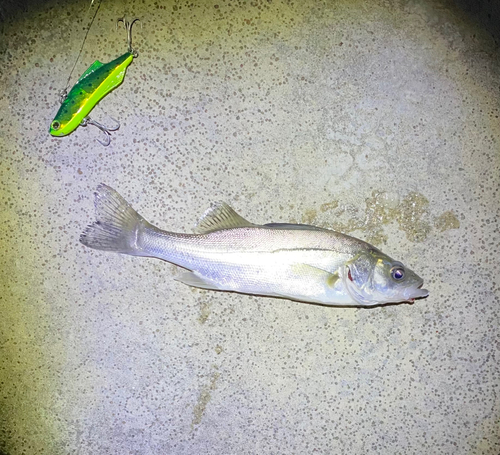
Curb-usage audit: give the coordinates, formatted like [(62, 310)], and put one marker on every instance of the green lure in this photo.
[(94, 84)]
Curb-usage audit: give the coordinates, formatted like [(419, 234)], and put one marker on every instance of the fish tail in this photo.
[(117, 226)]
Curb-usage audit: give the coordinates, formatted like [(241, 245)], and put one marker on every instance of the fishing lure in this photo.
[(94, 84)]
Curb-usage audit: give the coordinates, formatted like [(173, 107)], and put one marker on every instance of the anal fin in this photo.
[(197, 281)]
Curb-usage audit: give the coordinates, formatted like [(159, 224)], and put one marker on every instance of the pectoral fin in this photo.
[(316, 274)]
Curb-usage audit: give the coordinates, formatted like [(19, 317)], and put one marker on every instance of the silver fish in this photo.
[(293, 261)]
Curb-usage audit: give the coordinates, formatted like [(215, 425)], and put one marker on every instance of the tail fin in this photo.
[(117, 225)]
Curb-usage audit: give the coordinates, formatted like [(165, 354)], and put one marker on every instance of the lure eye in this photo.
[(397, 273), (55, 125)]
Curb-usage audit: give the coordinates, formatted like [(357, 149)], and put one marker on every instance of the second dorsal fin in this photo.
[(97, 64), (220, 216)]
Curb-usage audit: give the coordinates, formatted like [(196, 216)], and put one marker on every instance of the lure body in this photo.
[(94, 84)]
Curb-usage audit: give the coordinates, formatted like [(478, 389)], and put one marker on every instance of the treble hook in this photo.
[(105, 129), (128, 27)]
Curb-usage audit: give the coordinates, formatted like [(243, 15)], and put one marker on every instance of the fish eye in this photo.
[(55, 125), (398, 273)]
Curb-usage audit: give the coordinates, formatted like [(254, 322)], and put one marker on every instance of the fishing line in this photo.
[(64, 92)]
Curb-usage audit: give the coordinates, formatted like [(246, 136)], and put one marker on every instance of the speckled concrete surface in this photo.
[(377, 118)]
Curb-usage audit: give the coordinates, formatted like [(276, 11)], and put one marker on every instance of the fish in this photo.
[(228, 253)]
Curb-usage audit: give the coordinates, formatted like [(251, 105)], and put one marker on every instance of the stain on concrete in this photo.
[(329, 206), (411, 214), (445, 221), (309, 216), (204, 312), (204, 398)]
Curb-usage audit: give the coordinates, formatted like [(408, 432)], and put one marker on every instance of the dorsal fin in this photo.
[(220, 216), (97, 64)]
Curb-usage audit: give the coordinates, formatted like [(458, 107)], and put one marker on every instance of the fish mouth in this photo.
[(417, 293)]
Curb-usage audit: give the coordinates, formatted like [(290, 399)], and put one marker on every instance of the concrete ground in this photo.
[(380, 119)]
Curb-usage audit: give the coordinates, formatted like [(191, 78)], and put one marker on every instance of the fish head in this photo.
[(58, 128), (373, 278), (66, 119)]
